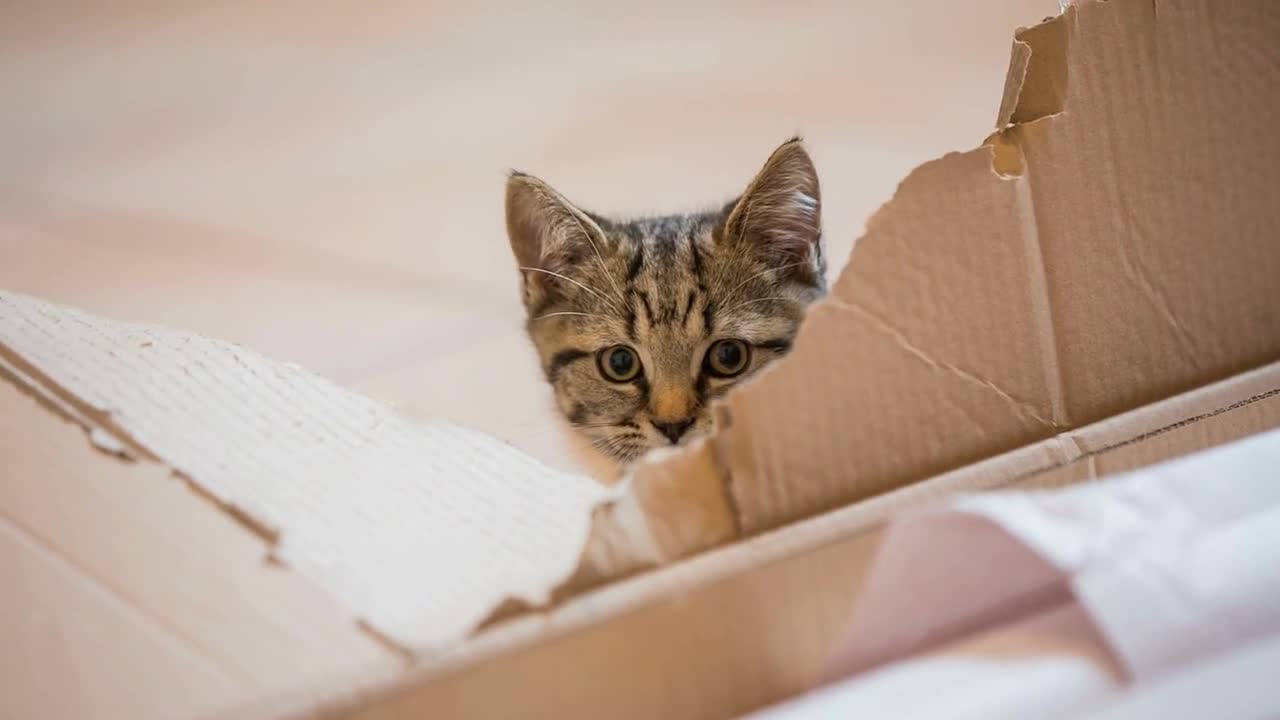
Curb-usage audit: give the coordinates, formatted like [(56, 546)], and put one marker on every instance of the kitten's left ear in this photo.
[(781, 211)]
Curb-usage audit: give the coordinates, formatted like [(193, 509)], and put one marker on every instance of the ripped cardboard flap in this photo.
[(420, 530), (762, 616), (1112, 244)]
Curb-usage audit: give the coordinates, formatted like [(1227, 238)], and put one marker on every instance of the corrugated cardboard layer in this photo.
[(421, 530), (1113, 246), (171, 605), (753, 622)]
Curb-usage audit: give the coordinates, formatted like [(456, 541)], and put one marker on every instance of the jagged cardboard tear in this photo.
[(420, 530), (1114, 243)]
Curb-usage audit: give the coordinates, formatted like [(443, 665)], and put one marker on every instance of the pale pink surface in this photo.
[(1052, 603), (325, 184)]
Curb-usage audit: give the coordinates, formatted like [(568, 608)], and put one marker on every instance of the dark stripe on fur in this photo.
[(561, 359), (708, 316), (696, 255), (637, 262), (780, 345), (688, 308), (648, 309)]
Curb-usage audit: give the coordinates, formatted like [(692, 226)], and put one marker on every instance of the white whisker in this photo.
[(756, 300), (600, 259), (580, 314), (575, 282), (762, 273)]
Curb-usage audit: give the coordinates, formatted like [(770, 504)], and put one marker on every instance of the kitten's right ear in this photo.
[(548, 234), (780, 214)]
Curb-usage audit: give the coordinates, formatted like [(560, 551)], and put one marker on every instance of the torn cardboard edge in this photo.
[(1042, 464), (420, 530), (1036, 83), (776, 576), (144, 570), (977, 315)]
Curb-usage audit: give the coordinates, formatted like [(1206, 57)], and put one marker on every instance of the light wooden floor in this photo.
[(325, 186)]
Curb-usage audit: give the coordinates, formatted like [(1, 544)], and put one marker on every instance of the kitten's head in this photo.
[(640, 324)]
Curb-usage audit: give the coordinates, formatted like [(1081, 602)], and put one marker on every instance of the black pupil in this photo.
[(621, 362), (729, 356)]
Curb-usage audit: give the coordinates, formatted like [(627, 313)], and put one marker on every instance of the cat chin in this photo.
[(603, 468), (658, 454)]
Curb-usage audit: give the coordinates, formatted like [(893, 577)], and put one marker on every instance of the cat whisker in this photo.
[(602, 424), (762, 273), (600, 259), (607, 446), (756, 300), (630, 434), (617, 445), (575, 282), (580, 314)]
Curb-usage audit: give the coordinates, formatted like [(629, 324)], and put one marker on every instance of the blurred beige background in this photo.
[(324, 185)]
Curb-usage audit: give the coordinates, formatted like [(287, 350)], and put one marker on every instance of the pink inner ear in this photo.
[(781, 210), (526, 243), (524, 223), (787, 226), (542, 228)]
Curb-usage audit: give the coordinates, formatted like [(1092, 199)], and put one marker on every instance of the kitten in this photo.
[(641, 324)]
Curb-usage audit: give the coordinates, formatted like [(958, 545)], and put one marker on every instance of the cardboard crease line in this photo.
[(1090, 456), (1021, 407), (1038, 295)]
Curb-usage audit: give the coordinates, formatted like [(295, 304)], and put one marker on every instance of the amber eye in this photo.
[(728, 358), (618, 363)]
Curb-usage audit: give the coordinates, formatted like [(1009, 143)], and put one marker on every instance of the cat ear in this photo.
[(547, 233), (781, 211)]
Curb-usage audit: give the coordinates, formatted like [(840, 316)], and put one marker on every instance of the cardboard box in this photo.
[(1061, 602), (1094, 288)]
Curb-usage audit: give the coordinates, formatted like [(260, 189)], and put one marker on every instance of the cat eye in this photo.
[(727, 358), (618, 363)]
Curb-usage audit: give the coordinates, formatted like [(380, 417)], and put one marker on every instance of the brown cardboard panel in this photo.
[(1122, 250), (927, 357), (1168, 430), (1156, 217), (1182, 439), (1073, 472), (138, 566), (733, 645), (750, 623), (1183, 409), (75, 648), (1037, 83)]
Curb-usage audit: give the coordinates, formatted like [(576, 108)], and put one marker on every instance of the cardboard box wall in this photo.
[(1069, 272), (1113, 243)]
